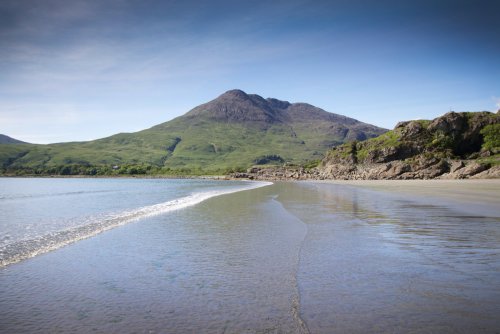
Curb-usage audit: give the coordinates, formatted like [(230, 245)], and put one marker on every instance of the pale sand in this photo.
[(482, 192)]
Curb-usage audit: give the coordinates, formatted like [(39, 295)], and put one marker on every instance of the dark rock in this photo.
[(470, 170), (434, 170), (402, 124), (412, 129), (385, 154), (449, 123), (492, 173), (456, 165)]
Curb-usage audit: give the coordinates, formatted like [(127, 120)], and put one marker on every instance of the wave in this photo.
[(25, 249)]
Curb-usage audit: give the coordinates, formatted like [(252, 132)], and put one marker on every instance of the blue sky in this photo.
[(81, 70)]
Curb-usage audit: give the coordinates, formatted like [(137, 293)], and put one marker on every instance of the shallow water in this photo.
[(286, 258), (41, 215), (379, 261)]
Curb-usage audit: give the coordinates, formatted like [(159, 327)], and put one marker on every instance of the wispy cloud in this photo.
[(95, 65), (497, 102)]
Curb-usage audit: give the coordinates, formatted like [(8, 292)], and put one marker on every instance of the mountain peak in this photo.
[(235, 93), (236, 106)]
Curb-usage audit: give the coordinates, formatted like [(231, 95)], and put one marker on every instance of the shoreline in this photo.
[(204, 177), (247, 177), (55, 240)]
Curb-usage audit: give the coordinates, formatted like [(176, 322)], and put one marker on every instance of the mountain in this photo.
[(234, 130), (8, 140), (455, 146)]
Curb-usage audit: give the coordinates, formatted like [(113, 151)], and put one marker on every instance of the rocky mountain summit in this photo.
[(455, 146), (238, 107)]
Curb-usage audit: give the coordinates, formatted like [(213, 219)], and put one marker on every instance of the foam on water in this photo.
[(28, 248)]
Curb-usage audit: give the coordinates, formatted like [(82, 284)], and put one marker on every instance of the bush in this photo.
[(442, 141), (491, 137), (311, 164), (265, 159)]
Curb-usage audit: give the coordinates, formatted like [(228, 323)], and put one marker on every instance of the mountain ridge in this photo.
[(234, 130), (235, 105)]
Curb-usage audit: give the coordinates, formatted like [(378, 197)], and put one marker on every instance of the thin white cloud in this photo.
[(497, 102)]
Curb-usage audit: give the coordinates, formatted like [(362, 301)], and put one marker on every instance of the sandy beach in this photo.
[(292, 257), (470, 193)]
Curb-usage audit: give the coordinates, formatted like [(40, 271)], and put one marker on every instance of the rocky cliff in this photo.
[(455, 145)]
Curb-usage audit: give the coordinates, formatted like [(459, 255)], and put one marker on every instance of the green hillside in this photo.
[(235, 130)]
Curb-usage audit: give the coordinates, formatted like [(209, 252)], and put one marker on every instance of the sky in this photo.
[(82, 70)]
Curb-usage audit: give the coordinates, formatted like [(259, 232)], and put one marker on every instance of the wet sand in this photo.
[(293, 257), (476, 190), (398, 257), (472, 194)]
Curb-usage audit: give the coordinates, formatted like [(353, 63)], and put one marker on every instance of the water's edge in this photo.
[(26, 249), (300, 322)]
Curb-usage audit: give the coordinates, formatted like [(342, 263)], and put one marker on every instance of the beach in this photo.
[(291, 257)]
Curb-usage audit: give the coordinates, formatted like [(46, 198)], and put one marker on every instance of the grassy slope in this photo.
[(203, 144), (221, 145)]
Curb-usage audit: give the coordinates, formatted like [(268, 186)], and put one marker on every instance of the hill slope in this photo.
[(455, 145), (9, 140), (233, 130)]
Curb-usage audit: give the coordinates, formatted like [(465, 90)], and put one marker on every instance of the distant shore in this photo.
[(207, 177), (288, 176)]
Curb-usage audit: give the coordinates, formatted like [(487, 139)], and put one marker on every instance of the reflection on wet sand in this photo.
[(388, 261)]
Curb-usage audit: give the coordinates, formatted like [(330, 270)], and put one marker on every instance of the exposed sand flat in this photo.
[(482, 191)]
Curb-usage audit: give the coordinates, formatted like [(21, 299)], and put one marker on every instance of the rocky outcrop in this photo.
[(402, 170), (454, 146), (278, 174), (395, 170)]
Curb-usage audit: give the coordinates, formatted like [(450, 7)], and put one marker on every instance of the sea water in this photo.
[(283, 258), (39, 215)]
